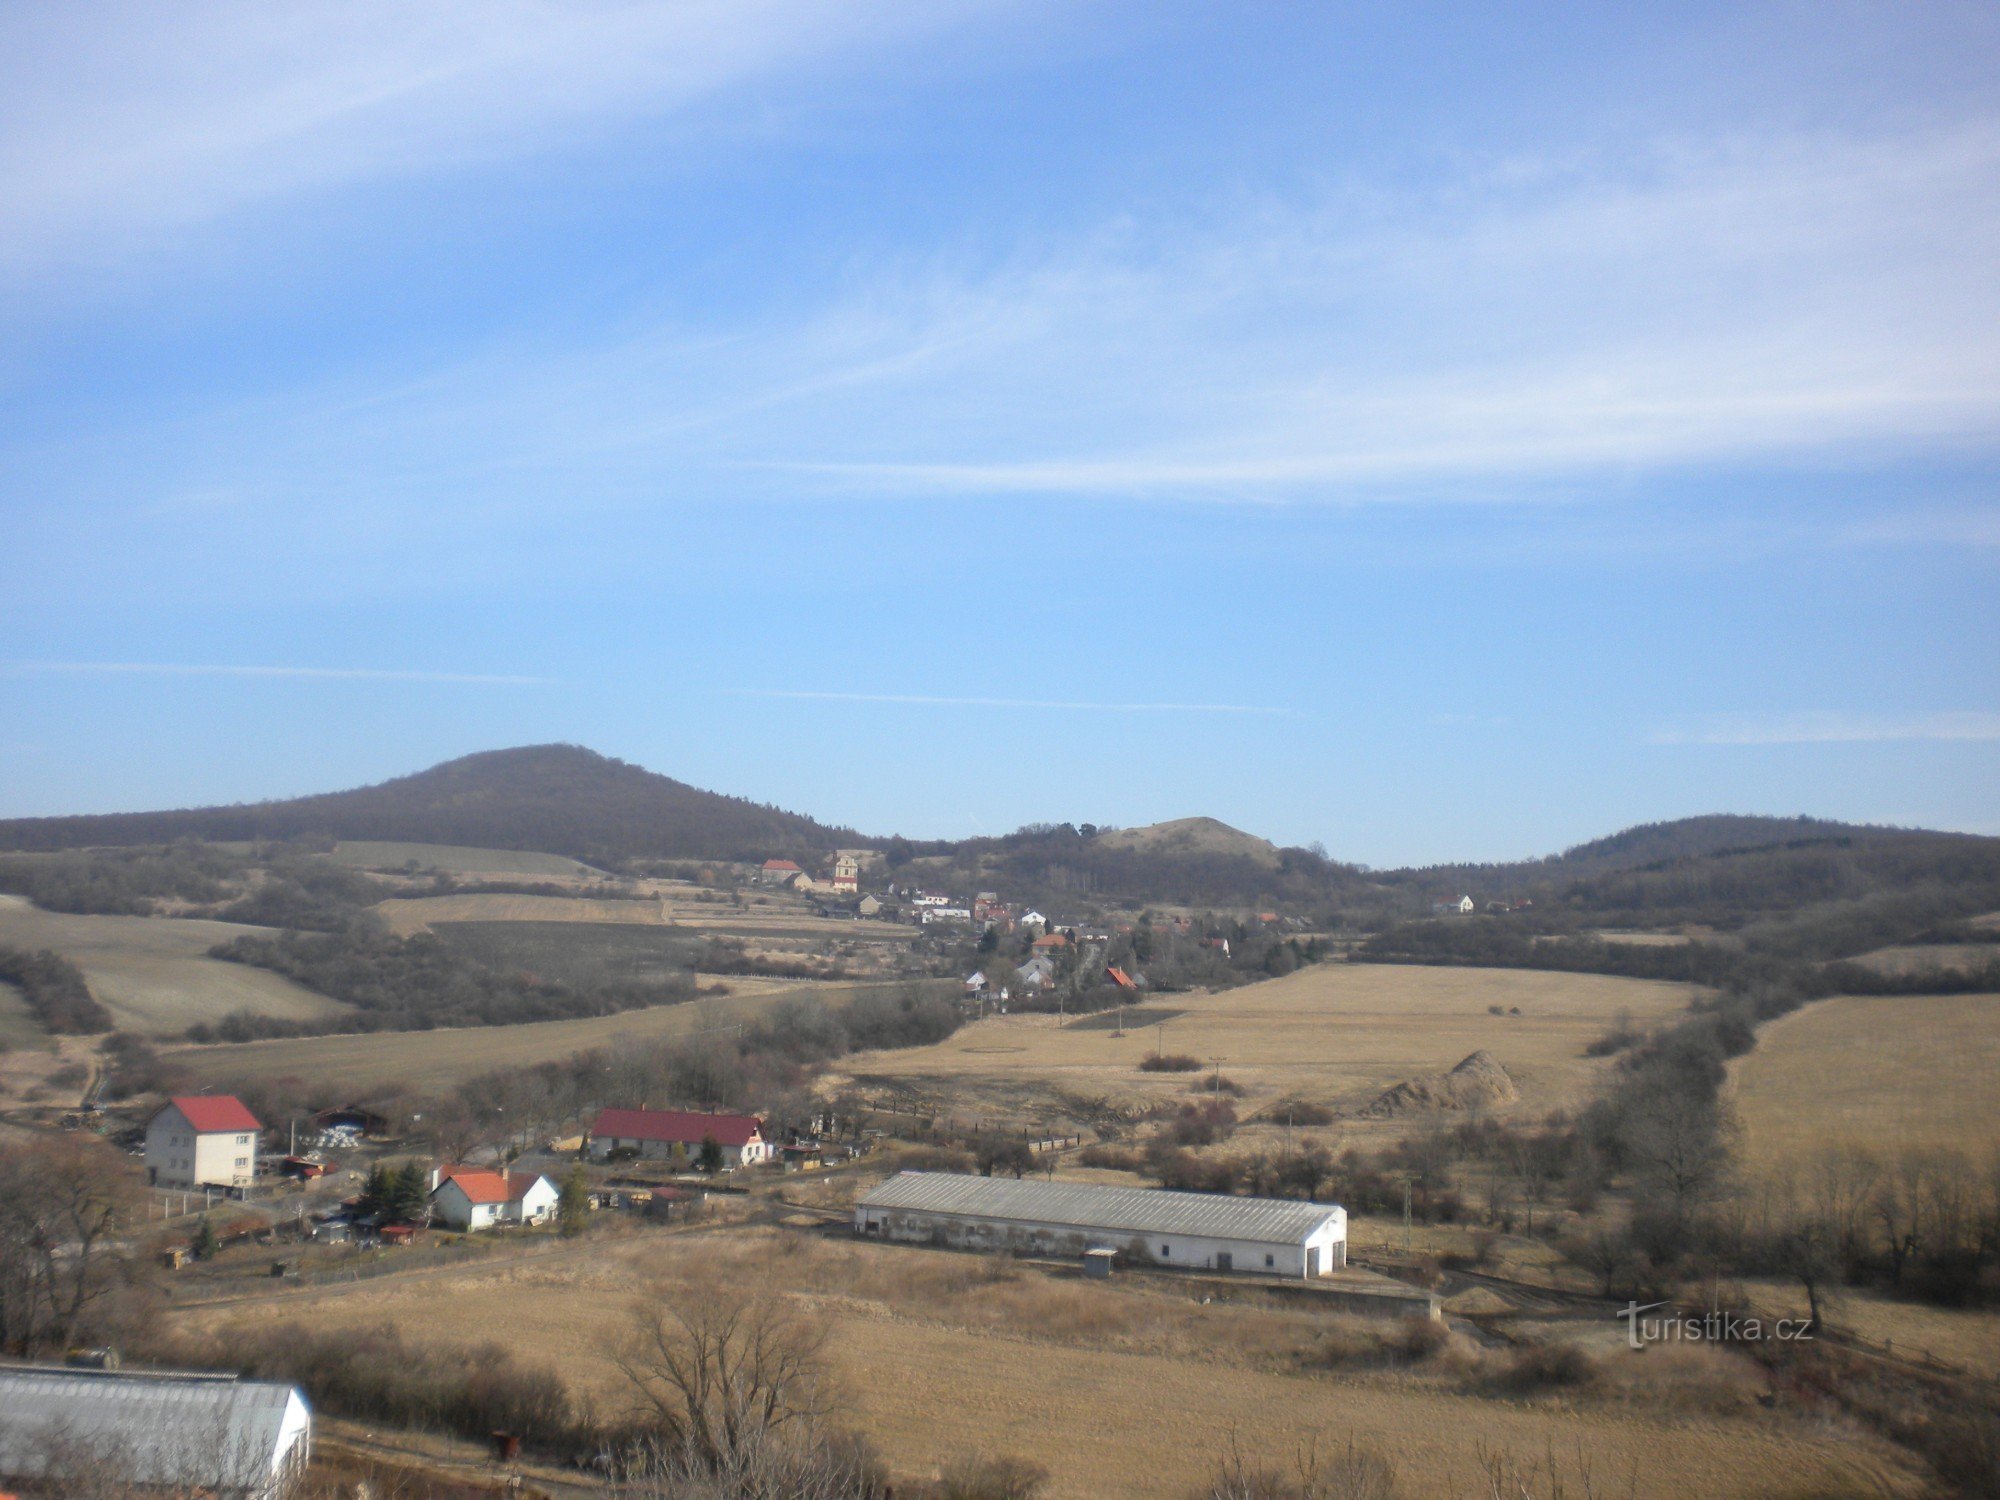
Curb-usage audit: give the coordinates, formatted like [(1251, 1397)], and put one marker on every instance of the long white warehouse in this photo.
[(1200, 1231)]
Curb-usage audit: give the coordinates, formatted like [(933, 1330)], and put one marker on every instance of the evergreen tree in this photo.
[(710, 1159), (205, 1243), (573, 1207)]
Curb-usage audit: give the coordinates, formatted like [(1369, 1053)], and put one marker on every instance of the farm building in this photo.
[(672, 1132), (202, 1140), (136, 1432), (1196, 1231), (467, 1199)]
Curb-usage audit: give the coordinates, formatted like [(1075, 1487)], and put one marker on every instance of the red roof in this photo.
[(675, 1126), (491, 1187), (1053, 940), (1120, 978), (779, 864), (214, 1112)]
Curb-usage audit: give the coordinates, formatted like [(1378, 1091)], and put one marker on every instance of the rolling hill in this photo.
[(556, 799)]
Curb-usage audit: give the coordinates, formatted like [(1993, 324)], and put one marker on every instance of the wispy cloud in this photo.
[(1024, 703), (122, 123), (207, 669), (1831, 728)]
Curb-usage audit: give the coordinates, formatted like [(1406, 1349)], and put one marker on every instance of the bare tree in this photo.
[(717, 1371), (63, 1205)]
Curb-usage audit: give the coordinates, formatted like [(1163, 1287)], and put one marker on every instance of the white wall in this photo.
[(1193, 1252), (178, 1157)]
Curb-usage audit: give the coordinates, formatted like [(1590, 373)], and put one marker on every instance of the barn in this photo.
[(1196, 1231)]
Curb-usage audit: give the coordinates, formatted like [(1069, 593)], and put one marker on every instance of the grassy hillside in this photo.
[(553, 799)]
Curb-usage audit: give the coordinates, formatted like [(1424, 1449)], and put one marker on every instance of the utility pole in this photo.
[(1215, 1084)]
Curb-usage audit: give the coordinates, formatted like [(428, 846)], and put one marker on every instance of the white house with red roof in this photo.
[(468, 1198), (202, 1140), (662, 1132)]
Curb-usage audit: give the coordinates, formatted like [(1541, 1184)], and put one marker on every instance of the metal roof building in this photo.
[(240, 1439), (1202, 1231)]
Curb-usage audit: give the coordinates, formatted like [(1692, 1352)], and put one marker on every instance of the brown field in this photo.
[(449, 1055), (407, 915), (1130, 1389), (1921, 957), (18, 1028), (1334, 1034), (1888, 1072), (369, 855), (154, 974)]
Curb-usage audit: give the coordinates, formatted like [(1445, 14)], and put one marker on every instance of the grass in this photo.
[(572, 954), (154, 974), (371, 855), (1132, 1388), (1888, 1072), (1335, 1035), (18, 1027), (434, 1058)]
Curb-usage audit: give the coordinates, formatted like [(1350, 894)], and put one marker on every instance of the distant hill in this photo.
[(1191, 836), (556, 799)]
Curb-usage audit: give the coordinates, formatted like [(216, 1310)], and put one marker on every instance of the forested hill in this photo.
[(556, 799)]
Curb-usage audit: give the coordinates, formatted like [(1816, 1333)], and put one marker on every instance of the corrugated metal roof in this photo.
[(1117, 1210), (152, 1429)]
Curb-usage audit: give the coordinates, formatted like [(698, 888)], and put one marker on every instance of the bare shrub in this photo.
[(1002, 1478), (1350, 1473), (1363, 1343), (1215, 1083), (1534, 1368), (1116, 1158), (1169, 1062), (1299, 1112)]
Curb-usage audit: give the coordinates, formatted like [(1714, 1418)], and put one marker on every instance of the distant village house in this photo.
[(669, 1133), (202, 1140)]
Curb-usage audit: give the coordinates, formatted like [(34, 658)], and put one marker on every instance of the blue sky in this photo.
[(1442, 432)]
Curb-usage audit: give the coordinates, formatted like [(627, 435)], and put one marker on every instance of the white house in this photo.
[(671, 1132), (1035, 920), (466, 1199), (1193, 1231), (202, 1140)]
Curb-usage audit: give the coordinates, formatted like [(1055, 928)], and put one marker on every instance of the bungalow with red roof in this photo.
[(469, 1199), (202, 1140), (667, 1132)]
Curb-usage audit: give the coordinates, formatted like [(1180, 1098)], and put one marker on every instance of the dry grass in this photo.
[(1889, 1073), (1966, 1340), (1127, 1389), (154, 974), (1923, 957), (450, 1055), (18, 1026), (1334, 1034)]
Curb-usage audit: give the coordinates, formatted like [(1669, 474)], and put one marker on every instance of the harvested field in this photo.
[(449, 1055), (1922, 958), (579, 954), (1887, 1072), (369, 855), (1130, 1389), (1334, 1034), (154, 974), (407, 915)]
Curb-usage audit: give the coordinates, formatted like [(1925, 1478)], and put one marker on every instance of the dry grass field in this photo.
[(448, 1055), (17, 1027), (1334, 1034), (1131, 1389), (368, 855), (1923, 957), (154, 974), (1887, 1072), (407, 915)]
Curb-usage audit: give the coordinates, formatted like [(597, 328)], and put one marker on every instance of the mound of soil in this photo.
[(1476, 1083)]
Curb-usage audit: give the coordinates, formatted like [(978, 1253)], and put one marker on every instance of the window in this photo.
[(1270, 1260), (1165, 1251), (242, 1161)]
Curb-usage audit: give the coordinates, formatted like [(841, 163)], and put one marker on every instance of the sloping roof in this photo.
[(779, 864), (208, 1431), (1116, 1210), (675, 1126), (214, 1112), (491, 1187), (1120, 978)]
